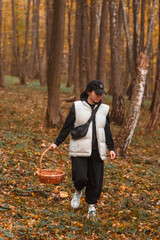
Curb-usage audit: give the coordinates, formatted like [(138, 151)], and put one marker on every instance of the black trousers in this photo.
[(88, 172)]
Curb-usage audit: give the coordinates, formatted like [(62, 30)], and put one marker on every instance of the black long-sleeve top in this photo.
[(69, 123)]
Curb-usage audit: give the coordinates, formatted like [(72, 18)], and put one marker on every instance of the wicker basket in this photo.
[(48, 175)]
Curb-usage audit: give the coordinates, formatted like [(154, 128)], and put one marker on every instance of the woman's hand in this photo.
[(53, 146), (112, 154)]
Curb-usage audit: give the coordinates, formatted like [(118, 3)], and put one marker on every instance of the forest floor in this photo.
[(129, 207)]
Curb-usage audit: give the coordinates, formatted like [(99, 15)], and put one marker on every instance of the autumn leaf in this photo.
[(63, 194)]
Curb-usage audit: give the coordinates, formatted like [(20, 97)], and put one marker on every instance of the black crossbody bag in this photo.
[(81, 130)]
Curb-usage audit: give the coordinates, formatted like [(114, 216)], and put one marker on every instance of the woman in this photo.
[(88, 153)]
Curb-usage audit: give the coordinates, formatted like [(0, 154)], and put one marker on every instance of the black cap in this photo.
[(97, 86)]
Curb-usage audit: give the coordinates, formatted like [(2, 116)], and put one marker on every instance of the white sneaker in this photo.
[(91, 211), (75, 202)]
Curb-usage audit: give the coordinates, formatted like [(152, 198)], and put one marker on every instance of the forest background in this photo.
[(49, 50)]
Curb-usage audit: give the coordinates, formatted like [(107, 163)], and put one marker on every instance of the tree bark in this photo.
[(93, 38), (32, 63), (24, 62), (73, 72), (136, 6), (2, 83), (141, 45), (54, 64), (155, 113), (39, 66), (84, 48), (49, 21), (125, 134), (15, 49), (117, 113), (129, 45), (150, 30), (101, 59), (87, 43), (82, 67), (69, 11)]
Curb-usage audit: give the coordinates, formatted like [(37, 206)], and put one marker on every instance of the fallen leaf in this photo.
[(63, 194)]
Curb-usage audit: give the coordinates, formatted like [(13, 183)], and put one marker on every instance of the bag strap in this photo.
[(93, 113)]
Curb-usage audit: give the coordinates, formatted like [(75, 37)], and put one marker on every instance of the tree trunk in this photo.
[(87, 43), (117, 114), (93, 38), (42, 81), (49, 21), (125, 134), (54, 64), (82, 68), (84, 50), (69, 11), (32, 62), (136, 6), (129, 45), (141, 45), (101, 59), (155, 114), (72, 74), (150, 30), (24, 62), (15, 49), (2, 84)]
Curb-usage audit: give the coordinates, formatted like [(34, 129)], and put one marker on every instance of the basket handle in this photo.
[(40, 168)]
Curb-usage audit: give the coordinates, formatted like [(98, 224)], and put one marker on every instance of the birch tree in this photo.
[(133, 49), (125, 134)]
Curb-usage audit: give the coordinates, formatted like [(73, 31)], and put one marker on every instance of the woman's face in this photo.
[(93, 97)]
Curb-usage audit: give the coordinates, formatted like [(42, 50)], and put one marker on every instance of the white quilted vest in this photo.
[(83, 146)]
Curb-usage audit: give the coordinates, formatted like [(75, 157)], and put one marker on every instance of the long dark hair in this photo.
[(84, 95)]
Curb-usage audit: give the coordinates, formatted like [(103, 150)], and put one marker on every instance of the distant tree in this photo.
[(69, 12), (49, 21), (155, 113), (117, 113), (21, 64), (142, 34), (15, 48), (38, 54), (53, 116), (101, 59), (128, 37), (25, 49), (32, 60), (2, 84), (136, 48), (73, 63), (84, 49), (93, 12), (136, 7)]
